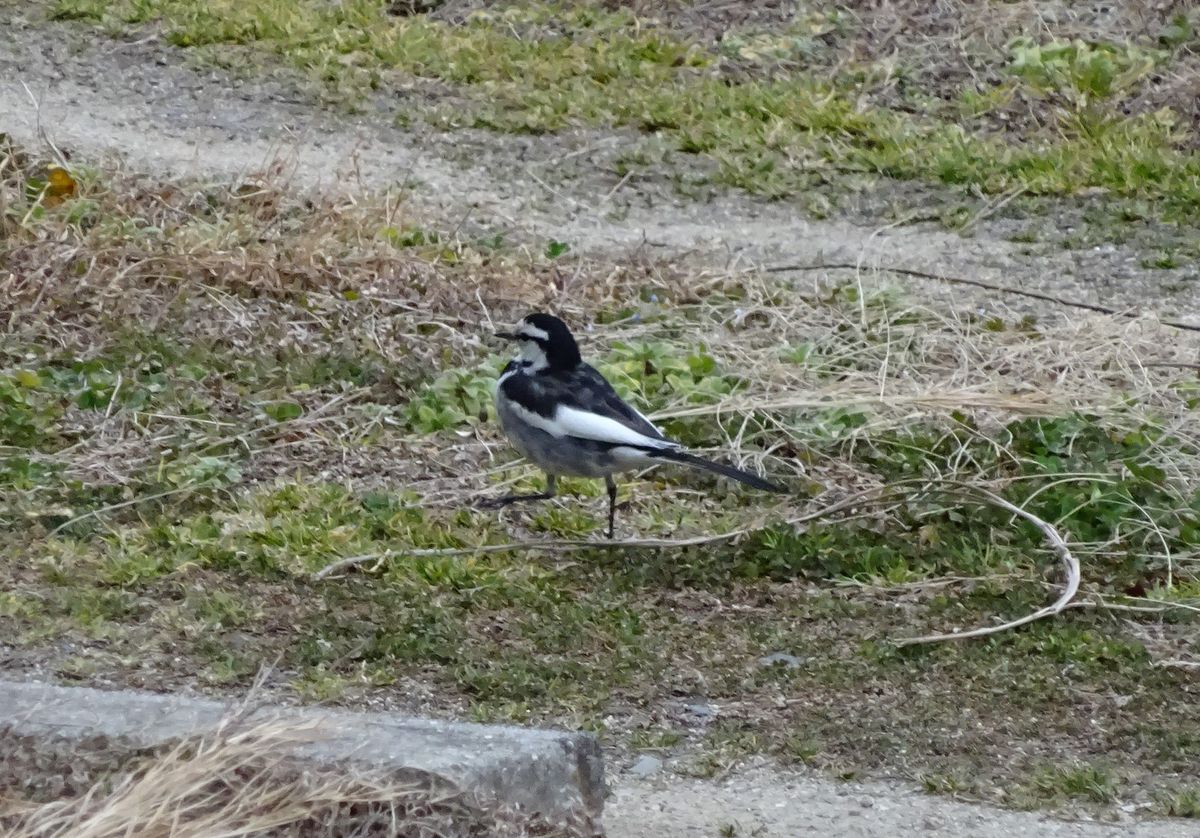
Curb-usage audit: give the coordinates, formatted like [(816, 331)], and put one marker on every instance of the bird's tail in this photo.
[(692, 460)]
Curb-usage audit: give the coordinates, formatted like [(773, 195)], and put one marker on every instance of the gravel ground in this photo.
[(762, 802)]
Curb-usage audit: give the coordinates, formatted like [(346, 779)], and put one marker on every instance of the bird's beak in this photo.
[(506, 335)]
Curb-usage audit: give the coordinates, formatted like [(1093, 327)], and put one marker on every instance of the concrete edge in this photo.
[(557, 774)]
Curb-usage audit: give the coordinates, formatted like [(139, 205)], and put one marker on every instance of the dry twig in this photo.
[(1056, 541), (978, 283)]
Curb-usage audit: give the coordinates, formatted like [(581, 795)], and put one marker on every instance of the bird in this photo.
[(565, 417)]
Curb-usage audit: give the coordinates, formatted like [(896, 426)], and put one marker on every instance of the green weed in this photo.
[(1181, 804), (1088, 782), (654, 739), (1082, 74)]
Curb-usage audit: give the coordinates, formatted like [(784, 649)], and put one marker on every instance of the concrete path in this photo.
[(768, 804)]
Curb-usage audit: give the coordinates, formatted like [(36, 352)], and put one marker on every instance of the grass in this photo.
[(1077, 781), (206, 396), (779, 110), (1182, 804)]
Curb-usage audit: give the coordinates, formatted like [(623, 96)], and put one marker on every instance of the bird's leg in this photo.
[(497, 503), (612, 502)]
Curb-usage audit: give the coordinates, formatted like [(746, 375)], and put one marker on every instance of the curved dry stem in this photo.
[(977, 283), (1056, 542)]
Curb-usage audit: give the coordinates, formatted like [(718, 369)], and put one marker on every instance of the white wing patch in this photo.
[(630, 458), (533, 419), (572, 421)]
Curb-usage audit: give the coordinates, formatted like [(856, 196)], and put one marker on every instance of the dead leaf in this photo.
[(59, 186)]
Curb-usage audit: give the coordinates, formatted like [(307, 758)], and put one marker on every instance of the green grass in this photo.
[(748, 107), (169, 485), (521, 637), (1086, 782), (1182, 804)]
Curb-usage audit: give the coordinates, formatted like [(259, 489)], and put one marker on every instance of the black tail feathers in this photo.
[(692, 460)]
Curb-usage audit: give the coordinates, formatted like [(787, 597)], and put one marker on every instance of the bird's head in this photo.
[(545, 341)]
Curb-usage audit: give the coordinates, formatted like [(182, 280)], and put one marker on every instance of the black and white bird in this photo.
[(566, 418)]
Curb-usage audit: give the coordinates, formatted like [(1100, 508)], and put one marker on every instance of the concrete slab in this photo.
[(553, 773)]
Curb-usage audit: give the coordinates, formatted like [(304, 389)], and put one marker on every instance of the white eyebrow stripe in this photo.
[(532, 332)]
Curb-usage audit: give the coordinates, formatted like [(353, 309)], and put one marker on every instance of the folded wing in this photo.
[(583, 405)]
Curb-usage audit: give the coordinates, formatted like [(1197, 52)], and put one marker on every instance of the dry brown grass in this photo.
[(243, 780), (904, 364), (255, 265)]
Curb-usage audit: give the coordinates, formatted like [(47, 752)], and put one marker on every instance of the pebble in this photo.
[(646, 766), (701, 711), (789, 661)]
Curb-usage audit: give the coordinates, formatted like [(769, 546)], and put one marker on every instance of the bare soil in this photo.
[(141, 103)]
